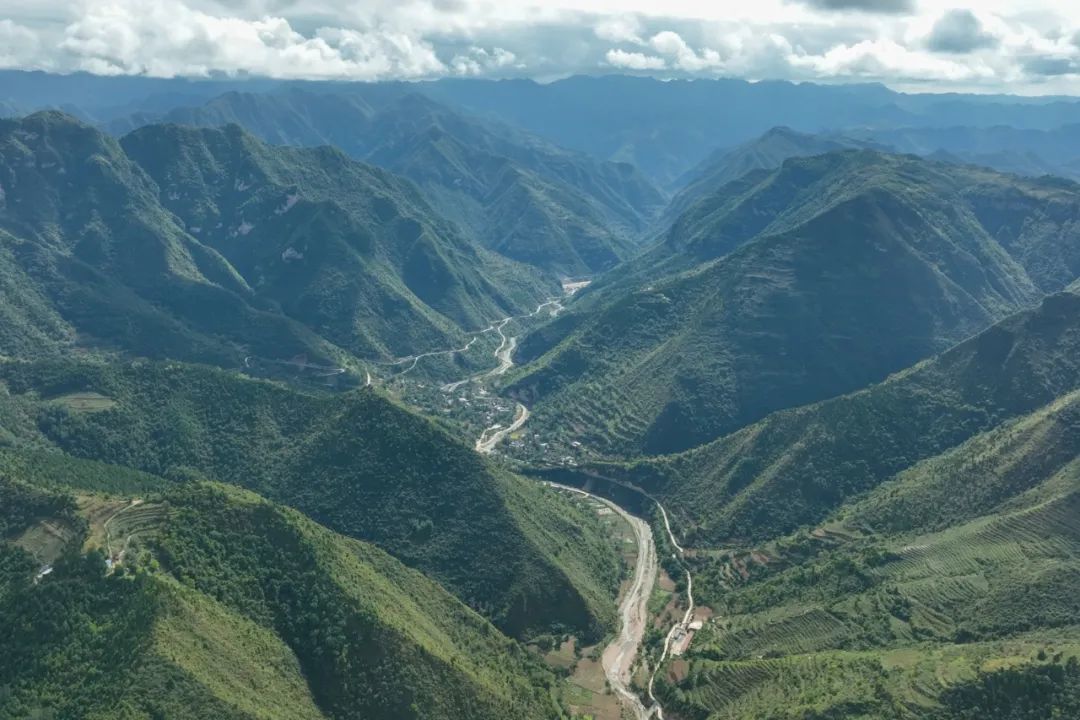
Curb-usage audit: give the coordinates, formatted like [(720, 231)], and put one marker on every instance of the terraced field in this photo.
[(851, 621), (112, 524), (893, 685)]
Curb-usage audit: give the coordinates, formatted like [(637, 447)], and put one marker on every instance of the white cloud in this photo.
[(634, 60), (478, 60), (997, 45), (167, 38), (620, 29), (18, 45), (886, 58), (682, 56)]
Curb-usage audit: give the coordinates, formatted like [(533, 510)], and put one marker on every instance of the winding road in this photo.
[(492, 436), (504, 353)]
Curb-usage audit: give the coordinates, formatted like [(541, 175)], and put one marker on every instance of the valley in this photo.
[(621, 657), (614, 397)]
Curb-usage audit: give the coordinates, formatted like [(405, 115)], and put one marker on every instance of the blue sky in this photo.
[(927, 45)]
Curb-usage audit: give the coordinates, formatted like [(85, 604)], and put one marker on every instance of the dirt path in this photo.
[(118, 557), (683, 625), (417, 358), (618, 657)]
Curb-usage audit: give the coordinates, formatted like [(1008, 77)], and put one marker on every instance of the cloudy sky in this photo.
[(1016, 46)]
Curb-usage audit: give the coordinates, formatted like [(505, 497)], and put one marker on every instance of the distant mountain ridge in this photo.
[(521, 196), (1028, 152)]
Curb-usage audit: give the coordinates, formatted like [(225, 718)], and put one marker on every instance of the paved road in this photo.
[(504, 353), (493, 435)]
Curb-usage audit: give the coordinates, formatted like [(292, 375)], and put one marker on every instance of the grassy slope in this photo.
[(965, 564), (798, 285), (356, 463), (954, 572), (231, 607)]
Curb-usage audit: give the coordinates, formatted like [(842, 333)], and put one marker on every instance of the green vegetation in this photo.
[(218, 247), (796, 467), (909, 551), (790, 287), (1024, 694), (344, 248), (232, 607), (520, 196), (357, 463)]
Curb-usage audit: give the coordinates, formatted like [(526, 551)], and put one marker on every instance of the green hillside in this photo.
[(356, 462), (797, 466), (238, 249), (224, 605), (94, 260), (906, 552), (790, 287), (519, 195), (340, 246), (948, 591)]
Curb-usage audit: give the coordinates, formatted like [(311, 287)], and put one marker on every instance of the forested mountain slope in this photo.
[(221, 604), (795, 467), (519, 195), (908, 552), (346, 248), (248, 250), (355, 462), (792, 286)]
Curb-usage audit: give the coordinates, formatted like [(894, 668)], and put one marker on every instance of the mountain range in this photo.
[(297, 252), (519, 195), (834, 366), (921, 528)]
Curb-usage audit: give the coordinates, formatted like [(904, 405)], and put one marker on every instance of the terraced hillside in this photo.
[(240, 250), (889, 620), (793, 286), (357, 463), (232, 607), (896, 553), (519, 195)]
